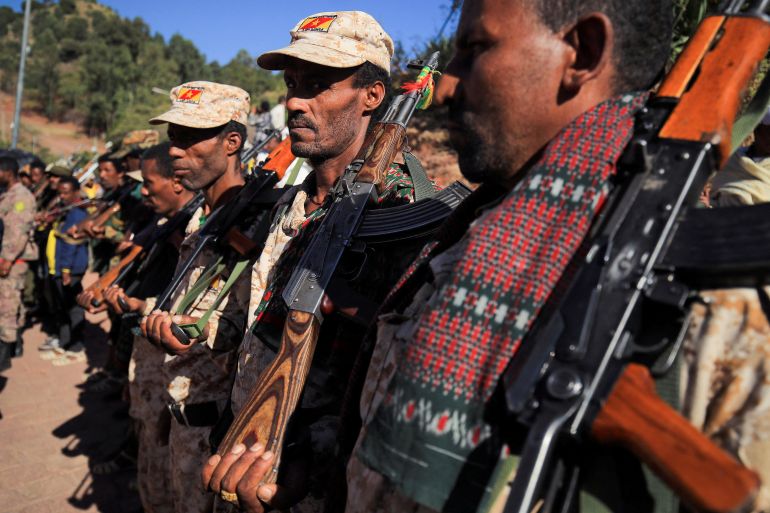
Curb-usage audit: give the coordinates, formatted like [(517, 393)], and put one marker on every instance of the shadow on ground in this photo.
[(99, 432)]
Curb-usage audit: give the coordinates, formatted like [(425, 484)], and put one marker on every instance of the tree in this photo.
[(191, 64)]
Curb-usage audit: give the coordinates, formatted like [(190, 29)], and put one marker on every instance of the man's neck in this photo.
[(182, 200), (224, 188), (328, 171)]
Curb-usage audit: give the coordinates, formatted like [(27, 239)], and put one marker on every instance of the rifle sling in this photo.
[(724, 247), (293, 173), (195, 330), (753, 114), (423, 187)]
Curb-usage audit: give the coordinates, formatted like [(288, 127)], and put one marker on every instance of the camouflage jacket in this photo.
[(17, 210), (204, 373)]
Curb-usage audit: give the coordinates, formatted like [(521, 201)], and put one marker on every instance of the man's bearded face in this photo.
[(506, 79)]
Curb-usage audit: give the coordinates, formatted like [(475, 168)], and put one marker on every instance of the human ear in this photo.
[(374, 96), (232, 142), (176, 186), (590, 41)]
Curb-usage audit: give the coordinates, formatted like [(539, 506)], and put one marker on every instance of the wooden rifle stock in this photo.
[(96, 220), (280, 158), (265, 417), (108, 278), (635, 417), (380, 149), (728, 50)]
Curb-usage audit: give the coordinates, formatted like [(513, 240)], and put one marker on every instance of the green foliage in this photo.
[(86, 63)]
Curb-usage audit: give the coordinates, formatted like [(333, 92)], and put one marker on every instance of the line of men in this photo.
[(49, 213), (401, 417)]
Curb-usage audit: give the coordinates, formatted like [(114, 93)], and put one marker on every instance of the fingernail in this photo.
[(267, 456), (266, 493), (256, 447), (238, 449), (214, 459), (176, 319)]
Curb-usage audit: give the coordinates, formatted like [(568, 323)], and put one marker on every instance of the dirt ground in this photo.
[(52, 426)]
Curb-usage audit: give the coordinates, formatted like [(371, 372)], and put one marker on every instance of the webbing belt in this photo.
[(195, 330)]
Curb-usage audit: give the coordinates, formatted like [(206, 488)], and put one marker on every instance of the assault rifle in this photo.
[(224, 228), (50, 215), (110, 206), (141, 256), (345, 226), (584, 369)]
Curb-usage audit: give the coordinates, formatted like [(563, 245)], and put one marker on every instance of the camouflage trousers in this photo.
[(189, 449), (11, 306), (725, 390), (148, 408)]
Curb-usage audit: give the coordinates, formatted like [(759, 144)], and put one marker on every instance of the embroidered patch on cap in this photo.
[(190, 95), (19, 206), (316, 24)]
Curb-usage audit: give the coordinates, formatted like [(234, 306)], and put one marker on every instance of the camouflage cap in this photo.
[(342, 39), (58, 170), (205, 105), (136, 175), (136, 140)]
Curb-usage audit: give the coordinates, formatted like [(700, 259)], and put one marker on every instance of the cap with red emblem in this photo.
[(342, 39), (205, 105)]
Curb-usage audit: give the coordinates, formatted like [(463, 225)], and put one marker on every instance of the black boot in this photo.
[(18, 347), (5, 355)]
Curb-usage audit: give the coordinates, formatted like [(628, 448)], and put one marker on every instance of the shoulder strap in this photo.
[(423, 187)]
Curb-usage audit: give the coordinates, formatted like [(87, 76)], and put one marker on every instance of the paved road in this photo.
[(51, 426)]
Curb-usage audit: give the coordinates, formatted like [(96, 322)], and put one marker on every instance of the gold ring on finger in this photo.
[(229, 496)]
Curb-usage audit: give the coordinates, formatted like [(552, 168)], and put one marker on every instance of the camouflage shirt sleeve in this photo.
[(17, 209)]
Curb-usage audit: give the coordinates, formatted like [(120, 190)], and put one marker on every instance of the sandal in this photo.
[(69, 357), (52, 354)]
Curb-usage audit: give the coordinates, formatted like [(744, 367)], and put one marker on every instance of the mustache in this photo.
[(299, 120)]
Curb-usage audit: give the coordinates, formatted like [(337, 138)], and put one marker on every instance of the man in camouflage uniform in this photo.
[(147, 390), (724, 389), (349, 53), (17, 212), (207, 129)]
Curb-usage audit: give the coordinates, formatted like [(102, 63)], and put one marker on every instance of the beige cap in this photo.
[(205, 105), (136, 140), (136, 175), (58, 170), (342, 39)]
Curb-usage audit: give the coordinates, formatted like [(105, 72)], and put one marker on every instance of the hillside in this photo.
[(91, 75), (56, 139), (89, 66)]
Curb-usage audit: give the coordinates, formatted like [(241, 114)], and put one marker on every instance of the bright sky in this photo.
[(219, 28)]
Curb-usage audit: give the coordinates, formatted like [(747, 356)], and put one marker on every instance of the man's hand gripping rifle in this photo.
[(584, 370), (223, 229), (141, 257)]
